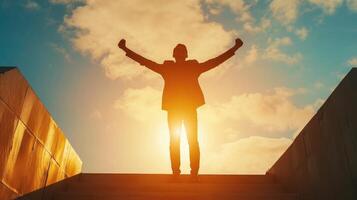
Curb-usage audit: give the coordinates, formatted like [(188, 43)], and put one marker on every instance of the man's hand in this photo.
[(122, 44), (239, 43)]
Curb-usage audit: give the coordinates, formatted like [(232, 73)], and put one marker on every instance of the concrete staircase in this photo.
[(165, 187)]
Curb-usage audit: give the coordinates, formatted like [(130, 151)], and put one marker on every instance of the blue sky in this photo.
[(66, 50)]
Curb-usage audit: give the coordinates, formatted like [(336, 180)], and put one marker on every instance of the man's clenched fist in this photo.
[(121, 44), (239, 42)]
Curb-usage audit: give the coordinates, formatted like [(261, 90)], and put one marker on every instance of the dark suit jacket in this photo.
[(182, 89)]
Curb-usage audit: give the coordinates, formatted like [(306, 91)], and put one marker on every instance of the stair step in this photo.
[(172, 187), (166, 178), (174, 196), (165, 187)]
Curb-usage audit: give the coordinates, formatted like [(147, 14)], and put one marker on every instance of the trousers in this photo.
[(187, 117)]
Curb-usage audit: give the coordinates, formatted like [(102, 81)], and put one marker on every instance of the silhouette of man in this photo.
[(182, 95)]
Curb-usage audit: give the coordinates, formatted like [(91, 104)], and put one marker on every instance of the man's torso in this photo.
[(182, 89)]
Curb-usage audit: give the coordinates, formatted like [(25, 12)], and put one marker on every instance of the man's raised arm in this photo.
[(138, 58), (214, 62)]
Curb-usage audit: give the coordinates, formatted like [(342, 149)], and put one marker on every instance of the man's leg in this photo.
[(192, 138), (175, 124)]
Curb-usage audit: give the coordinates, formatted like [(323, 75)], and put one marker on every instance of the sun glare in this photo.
[(162, 141), (185, 152)]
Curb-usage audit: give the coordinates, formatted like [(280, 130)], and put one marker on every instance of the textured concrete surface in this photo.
[(321, 163), (34, 152)]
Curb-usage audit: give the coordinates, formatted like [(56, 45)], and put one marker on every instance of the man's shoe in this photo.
[(194, 177), (175, 176)]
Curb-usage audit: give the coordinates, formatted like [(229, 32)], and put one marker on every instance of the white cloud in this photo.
[(284, 41), (352, 5), (251, 155), (141, 104), (287, 12), (240, 7), (273, 111), (352, 62), (62, 51), (262, 26), (251, 56), (328, 6), (302, 33), (32, 5), (273, 51), (152, 29), (284, 11), (235, 5), (214, 9)]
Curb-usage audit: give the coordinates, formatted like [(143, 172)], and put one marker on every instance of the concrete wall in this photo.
[(321, 163), (34, 152)]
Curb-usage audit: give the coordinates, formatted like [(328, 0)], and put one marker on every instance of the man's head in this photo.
[(180, 52)]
